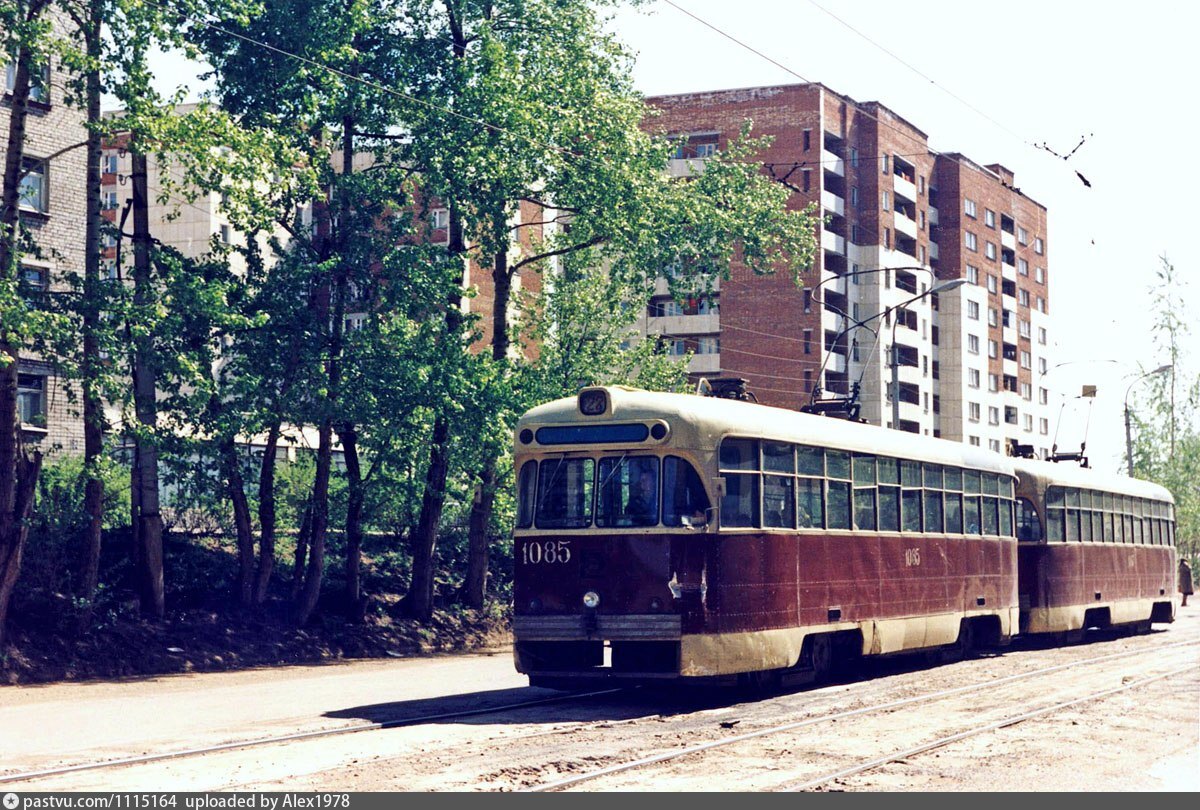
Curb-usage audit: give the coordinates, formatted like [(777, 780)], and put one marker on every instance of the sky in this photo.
[(1009, 83)]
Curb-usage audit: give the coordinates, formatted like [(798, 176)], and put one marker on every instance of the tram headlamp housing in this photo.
[(593, 401), (591, 600)]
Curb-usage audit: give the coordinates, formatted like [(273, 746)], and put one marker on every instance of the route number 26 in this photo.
[(549, 551)]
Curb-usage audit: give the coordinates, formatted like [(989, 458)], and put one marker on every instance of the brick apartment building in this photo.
[(53, 213), (969, 358)]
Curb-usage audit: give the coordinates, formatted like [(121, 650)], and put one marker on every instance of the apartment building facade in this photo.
[(896, 219), (53, 212)]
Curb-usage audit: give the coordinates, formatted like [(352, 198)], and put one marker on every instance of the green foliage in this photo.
[(59, 520), (1166, 446)]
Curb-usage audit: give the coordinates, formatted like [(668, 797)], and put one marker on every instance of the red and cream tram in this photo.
[(671, 535), (1094, 550)]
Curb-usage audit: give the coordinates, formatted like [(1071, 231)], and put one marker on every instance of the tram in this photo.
[(675, 536), (1094, 550)]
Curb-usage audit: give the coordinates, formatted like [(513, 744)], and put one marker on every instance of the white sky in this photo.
[(1045, 72)]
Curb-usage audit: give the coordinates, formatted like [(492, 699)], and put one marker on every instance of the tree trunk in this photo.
[(236, 487), (12, 544), (418, 602), (15, 474), (475, 586), (92, 367), (266, 516), (355, 601), (150, 528), (301, 555)]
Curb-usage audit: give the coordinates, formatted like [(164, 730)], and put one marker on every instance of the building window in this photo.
[(921, 254), (1022, 267), (887, 238), (1043, 396), (854, 196), (1022, 235), (991, 283), (1039, 247), (1041, 304), (992, 349), (990, 250), (39, 82), (355, 323), (971, 242), (973, 310), (1040, 275), (34, 191), (1042, 335), (972, 274), (993, 415), (973, 377), (973, 344), (808, 341), (921, 219), (921, 184), (883, 164), (973, 440), (1042, 365), (807, 139), (1026, 391), (993, 316), (226, 235), (993, 382), (969, 207), (1023, 297), (989, 217), (807, 175), (808, 300), (885, 200), (994, 445), (973, 412), (708, 345), (1043, 426), (676, 348), (439, 219), (31, 399), (108, 200), (1023, 328), (854, 157)]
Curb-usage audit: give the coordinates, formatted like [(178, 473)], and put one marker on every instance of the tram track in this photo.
[(665, 757), (282, 739)]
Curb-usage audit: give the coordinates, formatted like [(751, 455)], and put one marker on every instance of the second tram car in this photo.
[(1095, 550), (679, 536)]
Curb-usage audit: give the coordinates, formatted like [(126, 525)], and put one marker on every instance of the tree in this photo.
[(1166, 449)]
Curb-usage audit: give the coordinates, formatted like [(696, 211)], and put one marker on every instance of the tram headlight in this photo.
[(591, 600)]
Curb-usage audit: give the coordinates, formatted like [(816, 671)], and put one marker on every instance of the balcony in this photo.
[(905, 225), (904, 188), (833, 204), (685, 167), (833, 243), (832, 163), (933, 217), (684, 324), (933, 251), (836, 363), (705, 363), (1007, 240)]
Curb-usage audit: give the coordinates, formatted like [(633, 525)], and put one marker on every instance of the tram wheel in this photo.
[(762, 682), (821, 653)]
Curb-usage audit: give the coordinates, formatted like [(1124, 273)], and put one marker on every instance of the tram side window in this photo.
[(837, 465), (810, 488), (1006, 508), (628, 491), (526, 493), (684, 500), (779, 491), (739, 462), (1054, 514), (564, 498), (1085, 516), (910, 496), (1029, 528), (933, 499), (864, 492)]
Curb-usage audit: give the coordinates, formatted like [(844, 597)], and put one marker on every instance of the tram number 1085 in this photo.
[(548, 551)]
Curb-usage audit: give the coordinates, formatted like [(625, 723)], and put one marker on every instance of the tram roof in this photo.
[(703, 420), (1049, 473)]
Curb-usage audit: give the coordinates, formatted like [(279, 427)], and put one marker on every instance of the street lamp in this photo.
[(895, 359), (1128, 435)]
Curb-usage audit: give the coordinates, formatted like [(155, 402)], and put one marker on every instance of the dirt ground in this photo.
[(1142, 739)]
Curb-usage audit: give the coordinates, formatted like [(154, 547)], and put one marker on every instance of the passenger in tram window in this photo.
[(643, 500)]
